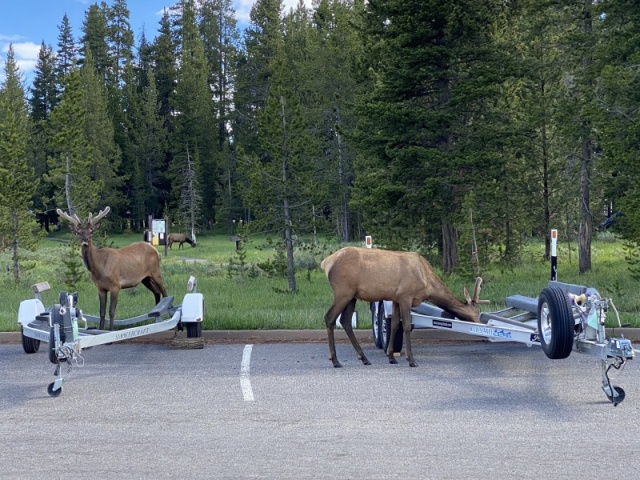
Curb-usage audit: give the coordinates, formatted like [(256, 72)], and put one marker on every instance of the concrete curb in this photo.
[(311, 336)]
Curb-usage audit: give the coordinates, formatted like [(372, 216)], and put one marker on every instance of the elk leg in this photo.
[(391, 334), (155, 288), (112, 307), (345, 320), (406, 326), (102, 296), (330, 319)]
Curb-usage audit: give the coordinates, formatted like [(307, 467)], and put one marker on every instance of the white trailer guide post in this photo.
[(60, 326), (564, 318)]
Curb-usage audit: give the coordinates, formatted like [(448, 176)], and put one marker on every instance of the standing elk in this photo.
[(405, 278), (114, 269), (179, 238)]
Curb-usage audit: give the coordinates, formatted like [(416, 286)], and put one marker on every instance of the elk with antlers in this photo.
[(405, 278), (114, 269)]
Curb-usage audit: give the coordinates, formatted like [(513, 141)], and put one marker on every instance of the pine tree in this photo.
[(120, 38), (221, 44), (617, 116), (193, 140), (253, 78), (99, 134), (279, 182), (163, 53), (148, 147), (435, 70), (94, 41), (67, 53), (17, 183), (329, 73), (44, 94), (44, 97), (70, 162)]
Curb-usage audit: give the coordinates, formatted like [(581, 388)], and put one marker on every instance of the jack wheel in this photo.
[(617, 400), (52, 392)]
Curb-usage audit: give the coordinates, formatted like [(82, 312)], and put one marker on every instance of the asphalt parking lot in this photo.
[(469, 410)]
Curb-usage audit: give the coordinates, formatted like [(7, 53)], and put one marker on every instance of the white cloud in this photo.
[(25, 54), (9, 38), (243, 8)]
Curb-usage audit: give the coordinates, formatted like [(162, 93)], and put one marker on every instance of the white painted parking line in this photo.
[(245, 382)]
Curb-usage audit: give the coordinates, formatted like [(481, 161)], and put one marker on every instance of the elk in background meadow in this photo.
[(179, 238)]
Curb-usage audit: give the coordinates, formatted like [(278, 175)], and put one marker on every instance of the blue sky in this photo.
[(26, 23)]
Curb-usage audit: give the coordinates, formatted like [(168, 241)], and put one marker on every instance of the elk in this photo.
[(405, 278), (114, 269), (179, 238)]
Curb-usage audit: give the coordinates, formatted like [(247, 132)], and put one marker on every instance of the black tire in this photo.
[(194, 329), (555, 323), (29, 345), (52, 392), (376, 323), (55, 318), (386, 330)]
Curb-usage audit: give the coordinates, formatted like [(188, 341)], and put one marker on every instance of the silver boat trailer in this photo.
[(67, 329), (564, 318)]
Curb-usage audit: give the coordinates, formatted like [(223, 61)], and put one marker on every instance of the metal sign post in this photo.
[(554, 255)]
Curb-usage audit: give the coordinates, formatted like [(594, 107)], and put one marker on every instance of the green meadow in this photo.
[(249, 299)]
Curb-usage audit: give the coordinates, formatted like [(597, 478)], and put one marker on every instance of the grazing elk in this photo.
[(179, 238), (114, 269), (405, 278)]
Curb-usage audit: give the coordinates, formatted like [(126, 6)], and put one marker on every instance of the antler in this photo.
[(101, 214), (476, 293), (72, 220)]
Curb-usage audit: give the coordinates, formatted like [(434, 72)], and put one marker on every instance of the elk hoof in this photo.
[(366, 361), (337, 365), (413, 364), (393, 361)]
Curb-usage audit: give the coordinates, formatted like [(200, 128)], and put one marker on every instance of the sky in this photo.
[(27, 23)]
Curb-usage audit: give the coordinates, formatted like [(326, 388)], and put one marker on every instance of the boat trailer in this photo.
[(67, 329), (564, 318)]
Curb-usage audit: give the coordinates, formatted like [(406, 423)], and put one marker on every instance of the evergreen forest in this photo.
[(458, 128)]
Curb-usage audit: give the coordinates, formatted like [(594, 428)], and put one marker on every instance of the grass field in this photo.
[(260, 302)]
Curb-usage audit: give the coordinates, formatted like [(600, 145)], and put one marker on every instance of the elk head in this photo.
[(84, 231)]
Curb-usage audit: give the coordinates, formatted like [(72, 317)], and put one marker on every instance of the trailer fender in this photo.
[(29, 310), (192, 308)]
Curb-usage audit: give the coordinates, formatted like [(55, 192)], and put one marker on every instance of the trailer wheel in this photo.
[(555, 323), (29, 345), (52, 392), (376, 323), (386, 331), (55, 318), (194, 329)]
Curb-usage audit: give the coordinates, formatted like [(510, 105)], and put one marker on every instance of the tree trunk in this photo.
[(449, 247), (16, 261), (586, 220), (288, 238)]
